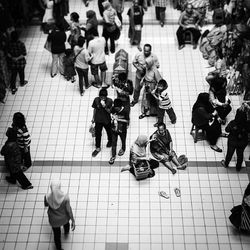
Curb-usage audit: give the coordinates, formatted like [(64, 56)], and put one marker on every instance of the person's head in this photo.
[(103, 93), (11, 134), (136, 2), (162, 84), (106, 5), (90, 14), (19, 119), (141, 140), (161, 128), (203, 98), (189, 8), (147, 50), (54, 185), (80, 41), (14, 36), (122, 77), (117, 104), (74, 17), (68, 52)]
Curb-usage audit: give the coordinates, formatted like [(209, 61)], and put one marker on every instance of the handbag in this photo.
[(47, 45)]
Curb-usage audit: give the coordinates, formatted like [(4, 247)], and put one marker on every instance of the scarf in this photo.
[(56, 197), (139, 146)]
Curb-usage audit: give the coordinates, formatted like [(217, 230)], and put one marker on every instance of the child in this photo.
[(23, 138), (13, 158), (68, 63), (160, 93)]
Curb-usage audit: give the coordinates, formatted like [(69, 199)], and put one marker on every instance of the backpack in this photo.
[(218, 16)]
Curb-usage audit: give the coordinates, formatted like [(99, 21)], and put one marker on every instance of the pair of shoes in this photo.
[(195, 46), (109, 144), (28, 187), (173, 171), (238, 169), (132, 104), (86, 3), (95, 84), (162, 24), (53, 75), (106, 53), (24, 83), (112, 51), (96, 152), (88, 86), (10, 180), (156, 124), (181, 46), (13, 91), (82, 93), (121, 152), (223, 163), (216, 148), (73, 80), (177, 192), (142, 116), (224, 135), (173, 122), (182, 167), (112, 160)]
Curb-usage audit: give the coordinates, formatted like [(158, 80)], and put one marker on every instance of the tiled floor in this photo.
[(113, 210)]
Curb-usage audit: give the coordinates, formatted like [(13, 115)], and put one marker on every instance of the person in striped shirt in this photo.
[(160, 93), (23, 138)]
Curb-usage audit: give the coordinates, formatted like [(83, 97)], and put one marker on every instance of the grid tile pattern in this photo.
[(112, 209)]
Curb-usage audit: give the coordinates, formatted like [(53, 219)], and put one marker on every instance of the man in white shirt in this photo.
[(97, 49), (139, 63)]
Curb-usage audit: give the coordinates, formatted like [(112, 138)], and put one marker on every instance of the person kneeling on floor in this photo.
[(161, 147), (13, 159)]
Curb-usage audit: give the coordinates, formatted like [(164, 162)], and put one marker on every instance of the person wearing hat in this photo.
[(101, 117), (119, 125), (13, 158)]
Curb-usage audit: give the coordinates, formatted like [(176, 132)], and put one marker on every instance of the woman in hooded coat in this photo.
[(59, 212)]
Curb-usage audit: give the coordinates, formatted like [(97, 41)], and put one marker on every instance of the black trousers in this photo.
[(98, 133), (21, 178), (170, 112), (26, 158), (180, 35), (57, 235), (109, 36), (14, 73), (231, 148), (123, 137)]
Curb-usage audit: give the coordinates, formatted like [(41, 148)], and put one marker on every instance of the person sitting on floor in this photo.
[(138, 153), (188, 21), (161, 147), (13, 160), (204, 116)]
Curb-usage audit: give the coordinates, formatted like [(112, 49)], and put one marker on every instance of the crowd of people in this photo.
[(89, 51)]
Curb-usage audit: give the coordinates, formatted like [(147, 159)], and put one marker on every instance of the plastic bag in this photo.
[(92, 129)]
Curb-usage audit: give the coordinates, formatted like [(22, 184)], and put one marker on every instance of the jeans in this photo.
[(109, 35), (137, 89), (98, 133), (170, 112), (231, 148), (123, 137), (21, 178), (57, 235), (14, 75), (82, 74), (57, 59), (180, 35)]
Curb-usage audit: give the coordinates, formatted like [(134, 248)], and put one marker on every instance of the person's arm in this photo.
[(109, 106), (70, 213), (180, 20), (135, 62), (46, 204), (3, 150), (105, 17), (156, 62), (213, 100), (229, 127)]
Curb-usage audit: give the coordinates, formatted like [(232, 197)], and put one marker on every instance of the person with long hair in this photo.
[(238, 130), (59, 212), (75, 30)]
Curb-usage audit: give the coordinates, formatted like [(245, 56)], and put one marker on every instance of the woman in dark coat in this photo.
[(238, 130), (205, 117), (57, 38)]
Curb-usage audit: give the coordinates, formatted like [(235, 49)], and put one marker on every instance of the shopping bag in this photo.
[(92, 129), (47, 45)]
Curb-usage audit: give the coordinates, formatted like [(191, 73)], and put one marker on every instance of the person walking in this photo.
[(59, 212), (160, 9), (82, 57), (238, 130), (16, 51), (101, 117), (13, 161), (139, 63), (57, 38)]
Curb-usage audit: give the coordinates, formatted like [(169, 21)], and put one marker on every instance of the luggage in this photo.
[(141, 170), (121, 62)]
